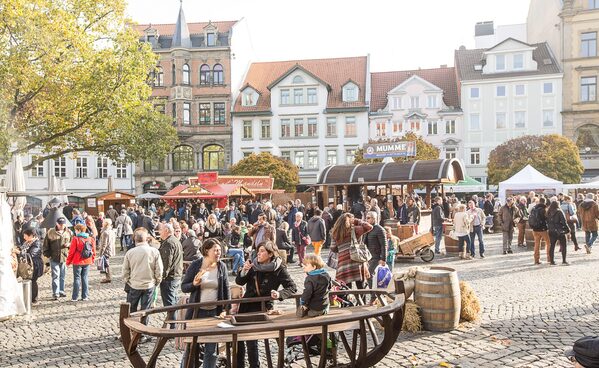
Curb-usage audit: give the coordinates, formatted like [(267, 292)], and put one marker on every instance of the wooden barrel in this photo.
[(530, 239), (405, 231), (392, 223), (451, 245), (437, 293)]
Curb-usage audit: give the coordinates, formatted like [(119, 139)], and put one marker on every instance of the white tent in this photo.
[(526, 180)]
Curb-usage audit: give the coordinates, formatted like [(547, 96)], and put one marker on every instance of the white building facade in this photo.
[(507, 91), (303, 111)]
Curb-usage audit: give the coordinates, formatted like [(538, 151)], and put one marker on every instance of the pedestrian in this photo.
[(557, 228), (374, 206), (537, 220), (569, 210), (589, 213), (77, 218), (508, 217), (112, 214), (262, 276), (147, 221), (171, 253), (299, 236), (488, 209), (82, 254), (392, 246), (317, 230), (523, 208), (261, 231), (235, 249), (314, 301), (31, 251), (376, 242), (283, 242), (206, 280), (124, 230), (413, 214), (348, 270), (476, 228), (437, 218), (91, 228), (142, 272), (106, 248), (191, 247), (358, 209), (213, 228), (461, 229), (56, 247)]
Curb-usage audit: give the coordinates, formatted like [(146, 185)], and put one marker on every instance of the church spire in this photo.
[(181, 37)]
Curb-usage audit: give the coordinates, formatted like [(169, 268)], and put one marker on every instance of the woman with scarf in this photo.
[(262, 276), (106, 247), (80, 264), (213, 228), (31, 251), (348, 270)]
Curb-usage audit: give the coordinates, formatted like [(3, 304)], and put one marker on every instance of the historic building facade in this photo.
[(311, 112)]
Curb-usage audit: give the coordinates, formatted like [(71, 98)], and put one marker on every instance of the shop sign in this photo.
[(390, 149)]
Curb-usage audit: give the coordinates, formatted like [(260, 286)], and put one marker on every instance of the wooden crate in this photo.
[(416, 242)]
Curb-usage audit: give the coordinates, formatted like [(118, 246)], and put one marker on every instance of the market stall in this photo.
[(100, 202), (526, 180), (218, 195)]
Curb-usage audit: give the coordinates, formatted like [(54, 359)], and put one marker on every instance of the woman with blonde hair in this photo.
[(213, 228), (106, 247)]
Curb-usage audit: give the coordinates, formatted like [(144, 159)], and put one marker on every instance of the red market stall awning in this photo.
[(207, 191)]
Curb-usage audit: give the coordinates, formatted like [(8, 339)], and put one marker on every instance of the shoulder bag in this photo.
[(25, 267), (358, 252)]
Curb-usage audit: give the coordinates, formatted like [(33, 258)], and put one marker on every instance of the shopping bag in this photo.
[(382, 276)]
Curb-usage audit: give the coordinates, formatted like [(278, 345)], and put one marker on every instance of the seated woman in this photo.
[(206, 280), (262, 276)]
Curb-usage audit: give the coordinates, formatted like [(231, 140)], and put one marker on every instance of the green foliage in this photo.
[(553, 155), (75, 78), (424, 150), (285, 173)]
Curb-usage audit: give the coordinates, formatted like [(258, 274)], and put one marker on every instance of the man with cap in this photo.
[(585, 352), (56, 247)]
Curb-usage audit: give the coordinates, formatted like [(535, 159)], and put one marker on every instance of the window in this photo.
[(298, 159), (159, 77), (60, 167), (81, 167), (547, 118), (183, 158), (312, 127), (121, 170), (247, 154), (450, 153), (500, 91), (312, 159), (284, 97), (186, 74), (450, 127), (397, 127), (204, 75), (213, 157), (331, 157), (432, 128), (500, 120), (174, 113), (265, 129), (350, 93), (312, 96), (37, 170), (186, 113), (588, 89), (593, 4), (588, 44), (247, 99), (298, 96), (520, 90), (173, 74), (218, 75), (519, 61), (102, 165), (286, 155), (285, 128), (415, 125), (298, 126), (475, 156), (415, 102), (432, 102), (474, 122), (547, 88), (205, 117), (331, 127), (298, 79), (381, 129), (474, 92), (210, 39), (219, 113), (350, 156), (350, 126), (499, 62), (154, 164), (160, 108), (247, 129), (520, 119), (397, 102)]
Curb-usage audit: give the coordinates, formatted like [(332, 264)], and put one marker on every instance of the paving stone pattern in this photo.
[(530, 315)]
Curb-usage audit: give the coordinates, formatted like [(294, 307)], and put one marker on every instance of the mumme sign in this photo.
[(390, 149)]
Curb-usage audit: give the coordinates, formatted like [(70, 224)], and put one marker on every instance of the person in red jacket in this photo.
[(81, 257)]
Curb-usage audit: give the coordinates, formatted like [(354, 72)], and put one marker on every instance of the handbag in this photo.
[(101, 263), (25, 267), (358, 252), (333, 260)]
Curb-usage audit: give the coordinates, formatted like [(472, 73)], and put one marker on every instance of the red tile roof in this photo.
[(384, 82), (335, 72), (194, 28)]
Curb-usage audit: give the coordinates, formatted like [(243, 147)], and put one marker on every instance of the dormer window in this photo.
[(249, 97), (499, 62), (350, 93), (518, 61), (210, 39), (298, 79)]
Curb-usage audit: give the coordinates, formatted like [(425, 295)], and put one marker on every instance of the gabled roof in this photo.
[(293, 69), (384, 82), (531, 177), (465, 60), (194, 28), (508, 40), (333, 72), (247, 85)]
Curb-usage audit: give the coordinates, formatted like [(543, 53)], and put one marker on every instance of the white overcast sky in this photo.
[(398, 34)]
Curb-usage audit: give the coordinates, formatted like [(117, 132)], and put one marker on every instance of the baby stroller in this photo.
[(294, 350)]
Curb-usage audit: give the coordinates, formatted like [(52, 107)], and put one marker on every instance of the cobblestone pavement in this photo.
[(530, 315)]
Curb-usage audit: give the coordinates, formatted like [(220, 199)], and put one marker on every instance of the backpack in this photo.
[(87, 250), (533, 218)]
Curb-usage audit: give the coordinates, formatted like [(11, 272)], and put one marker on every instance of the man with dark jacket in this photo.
[(202, 212), (537, 220), (337, 213), (402, 211), (358, 209), (437, 223), (233, 213), (133, 216), (376, 241), (262, 231), (147, 222), (317, 231), (171, 253), (589, 213), (56, 247), (191, 247)]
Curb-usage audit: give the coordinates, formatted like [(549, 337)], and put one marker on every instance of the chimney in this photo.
[(484, 29), (443, 65)]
